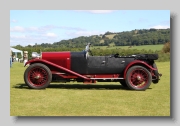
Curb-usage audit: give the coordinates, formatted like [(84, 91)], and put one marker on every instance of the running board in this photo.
[(105, 78)]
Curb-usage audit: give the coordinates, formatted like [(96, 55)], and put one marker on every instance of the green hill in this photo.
[(125, 38)]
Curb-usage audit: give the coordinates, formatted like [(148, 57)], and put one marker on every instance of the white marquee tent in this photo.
[(17, 51)]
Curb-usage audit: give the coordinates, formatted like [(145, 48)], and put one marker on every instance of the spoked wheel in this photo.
[(138, 78), (37, 76)]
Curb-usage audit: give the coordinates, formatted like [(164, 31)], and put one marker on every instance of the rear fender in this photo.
[(137, 62)]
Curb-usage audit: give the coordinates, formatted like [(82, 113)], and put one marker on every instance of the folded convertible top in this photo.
[(147, 56)]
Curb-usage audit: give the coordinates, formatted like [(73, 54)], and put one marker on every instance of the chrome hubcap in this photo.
[(37, 77), (138, 78)]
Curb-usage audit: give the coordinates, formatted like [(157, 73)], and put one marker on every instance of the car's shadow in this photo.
[(77, 86)]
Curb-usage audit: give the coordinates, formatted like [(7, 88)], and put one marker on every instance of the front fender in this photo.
[(33, 61), (137, 62), (57, 66)]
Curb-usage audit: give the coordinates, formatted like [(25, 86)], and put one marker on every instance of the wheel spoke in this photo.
[(139, 78), (38, 76)]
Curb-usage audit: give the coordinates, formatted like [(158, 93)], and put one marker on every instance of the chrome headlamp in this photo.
[(36, 55)]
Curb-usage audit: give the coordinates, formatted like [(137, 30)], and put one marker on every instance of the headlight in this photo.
[(35, 55)]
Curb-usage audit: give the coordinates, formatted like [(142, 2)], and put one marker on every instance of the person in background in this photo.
[(14, 58), (87, 49), (10, 58), (25, 57)]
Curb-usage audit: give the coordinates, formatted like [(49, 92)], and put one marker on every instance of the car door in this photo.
[(96, 64), (115, 65), (96, 61)]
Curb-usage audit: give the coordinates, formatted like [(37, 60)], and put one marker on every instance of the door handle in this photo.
[(122, 62), (103, 62)]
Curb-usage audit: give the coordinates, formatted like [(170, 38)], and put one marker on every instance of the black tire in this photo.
[(123, 83), (156, 73), (37, 76), (138, 78)]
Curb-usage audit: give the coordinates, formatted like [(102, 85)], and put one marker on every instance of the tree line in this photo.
[(129, 38), (126, 38), (137, 37)]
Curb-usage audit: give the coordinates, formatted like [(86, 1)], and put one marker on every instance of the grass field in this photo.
[(77, 99), (145, 47)]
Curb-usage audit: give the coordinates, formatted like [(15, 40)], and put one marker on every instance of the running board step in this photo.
[(105, 78)]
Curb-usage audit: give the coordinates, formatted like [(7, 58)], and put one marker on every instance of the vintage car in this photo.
[(135, 72)]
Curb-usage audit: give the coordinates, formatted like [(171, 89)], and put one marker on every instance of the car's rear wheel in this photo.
[(37, 76), (138, 78)]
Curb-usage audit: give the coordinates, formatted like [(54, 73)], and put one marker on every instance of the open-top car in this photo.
[(136, 72)]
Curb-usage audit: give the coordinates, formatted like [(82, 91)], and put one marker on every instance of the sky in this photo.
[(28, 27)]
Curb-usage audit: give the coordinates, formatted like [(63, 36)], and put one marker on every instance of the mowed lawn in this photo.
[(77, 99)]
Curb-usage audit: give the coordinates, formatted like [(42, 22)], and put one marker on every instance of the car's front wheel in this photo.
[(138, 78), (37, 76)]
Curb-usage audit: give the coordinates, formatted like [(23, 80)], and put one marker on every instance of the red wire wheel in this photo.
[(37, 76), (138, 78)]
